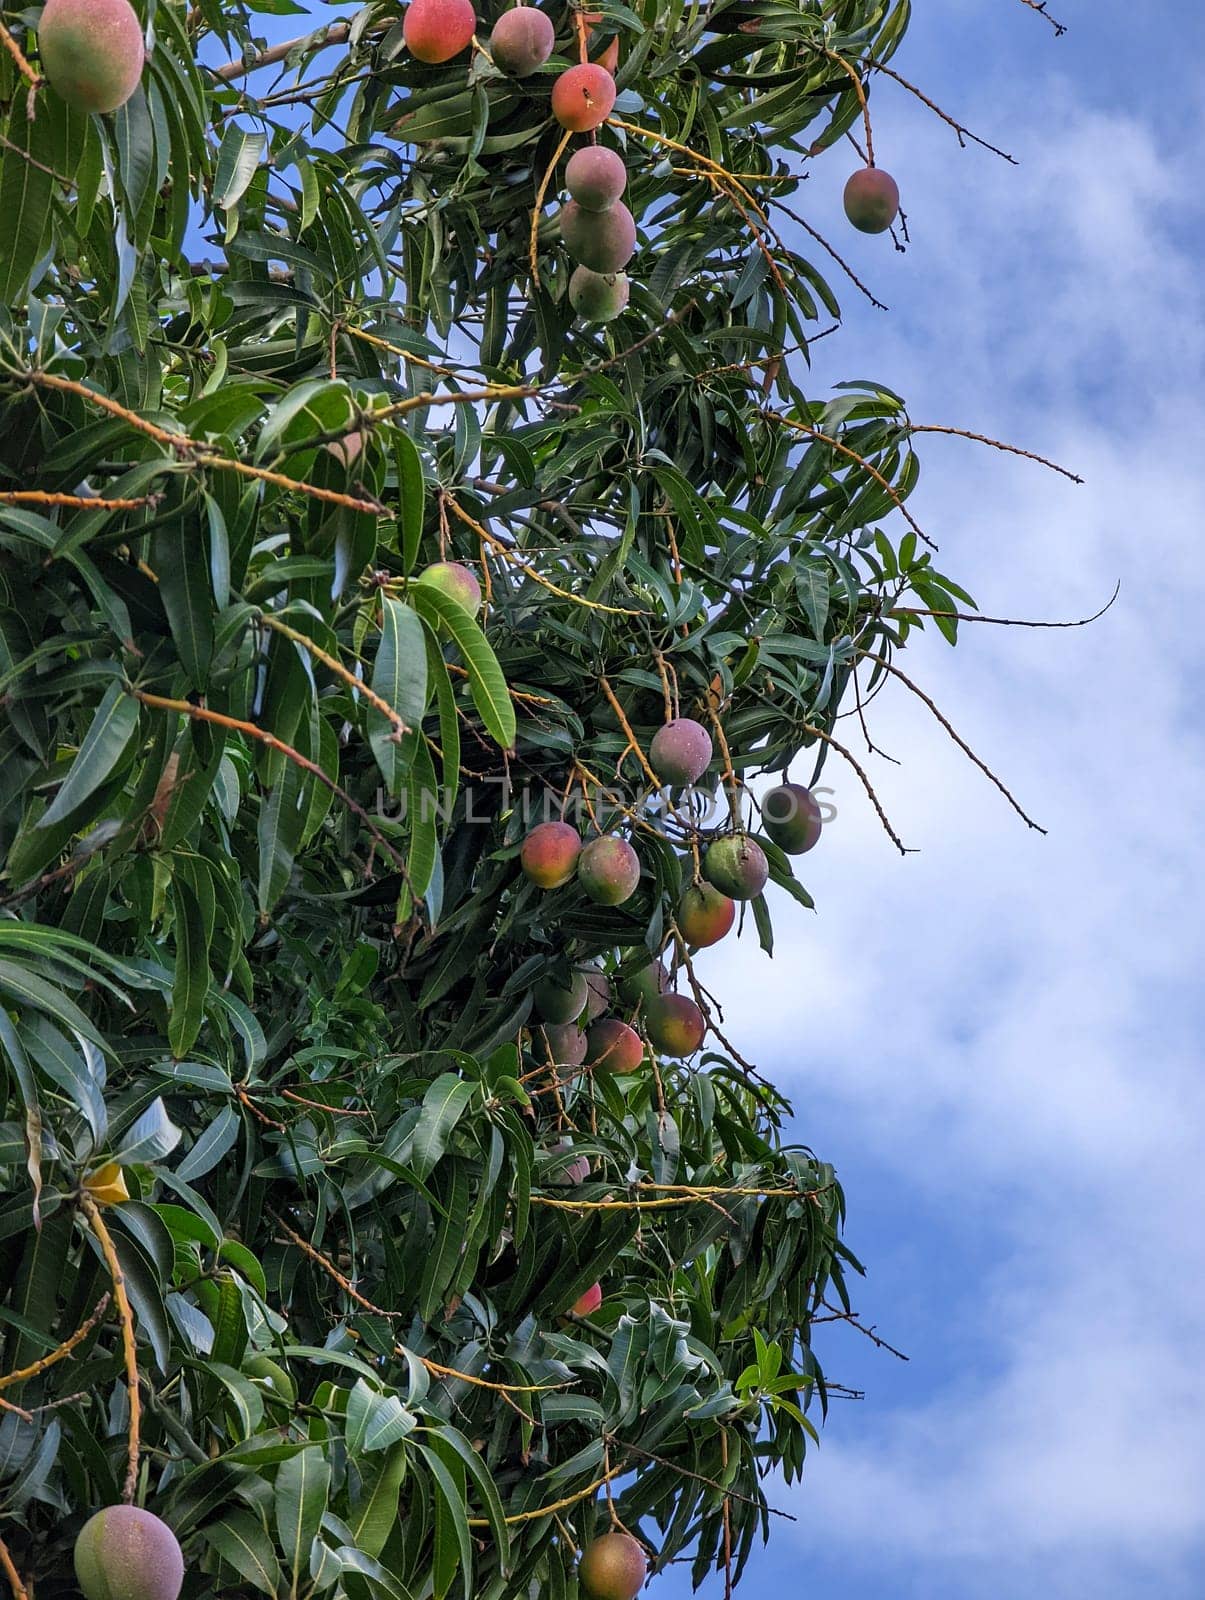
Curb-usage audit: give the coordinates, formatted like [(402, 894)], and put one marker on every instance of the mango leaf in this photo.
[(111, 730), (243, 1541), (487, 683), (299, 1501), (443, 1105), (399, 677)]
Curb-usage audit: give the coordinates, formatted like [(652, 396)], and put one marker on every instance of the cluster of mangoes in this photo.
[(571, 1003)]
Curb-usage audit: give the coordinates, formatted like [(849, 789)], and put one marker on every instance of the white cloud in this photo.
[(1011, 1025)]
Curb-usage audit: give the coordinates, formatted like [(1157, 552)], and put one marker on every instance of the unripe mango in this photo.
[(522, 40), (92, 52), (705, 915), (613, 1567), (791, 817), (644, 983), (596, 177), (680, 751), (437, 30), (455, 580), (125, 1553), (674, 1024), (583, 96), (736, 865), (549, 854), (611, 1046), (608, 869), (598, 296), (872, 200), (604, 241), (560, 999)]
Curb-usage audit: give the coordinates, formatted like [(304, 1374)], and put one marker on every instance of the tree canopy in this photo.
[(304, 1204)]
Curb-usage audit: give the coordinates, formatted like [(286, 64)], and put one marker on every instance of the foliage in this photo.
[(247, 968)]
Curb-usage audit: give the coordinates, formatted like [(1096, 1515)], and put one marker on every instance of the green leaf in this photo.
[(299, 1501), (443, 1105), (25, 194), (486, 681), (399, 677), (243, 1541), (181, 562), (111, 729), (374, 1514), (411, 490), (191, 925), (281, 820), (375, 1421)]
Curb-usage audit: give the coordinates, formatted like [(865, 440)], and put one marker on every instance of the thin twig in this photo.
[(852, 1318), (1007, 622), (860, 91), (828, 739), (889, 666), (963, 133), (439, 1370), (995, 444), (336, 666), (202, 714), (128, 1341), (33, 79), (20, 1592), (65, 1349), (557, 1505), (843, 449), (1040, 7), (533, 242)]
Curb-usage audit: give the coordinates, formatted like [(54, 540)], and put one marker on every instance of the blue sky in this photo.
[(998, 1040)]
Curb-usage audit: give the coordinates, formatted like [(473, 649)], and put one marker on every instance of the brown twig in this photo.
[(828, 739), (33, 79), (64, 1350), (889, 666), (400, 728), (128, 1341), (533, 241), (202, 714), (513, 556), (317, 1105), (860, 91), (633, 742), (1040, 7), (1007, 622), (83, 502), (353, 1293), (995, 444), (557, 1505), (9, 1566), (852, 1318), (843, 449), (197, 451), (963, 133)]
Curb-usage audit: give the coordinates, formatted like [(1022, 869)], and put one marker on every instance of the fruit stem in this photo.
[(860, 91), (533, 245), (32, 77), (20, 1592), (128, 1342)]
